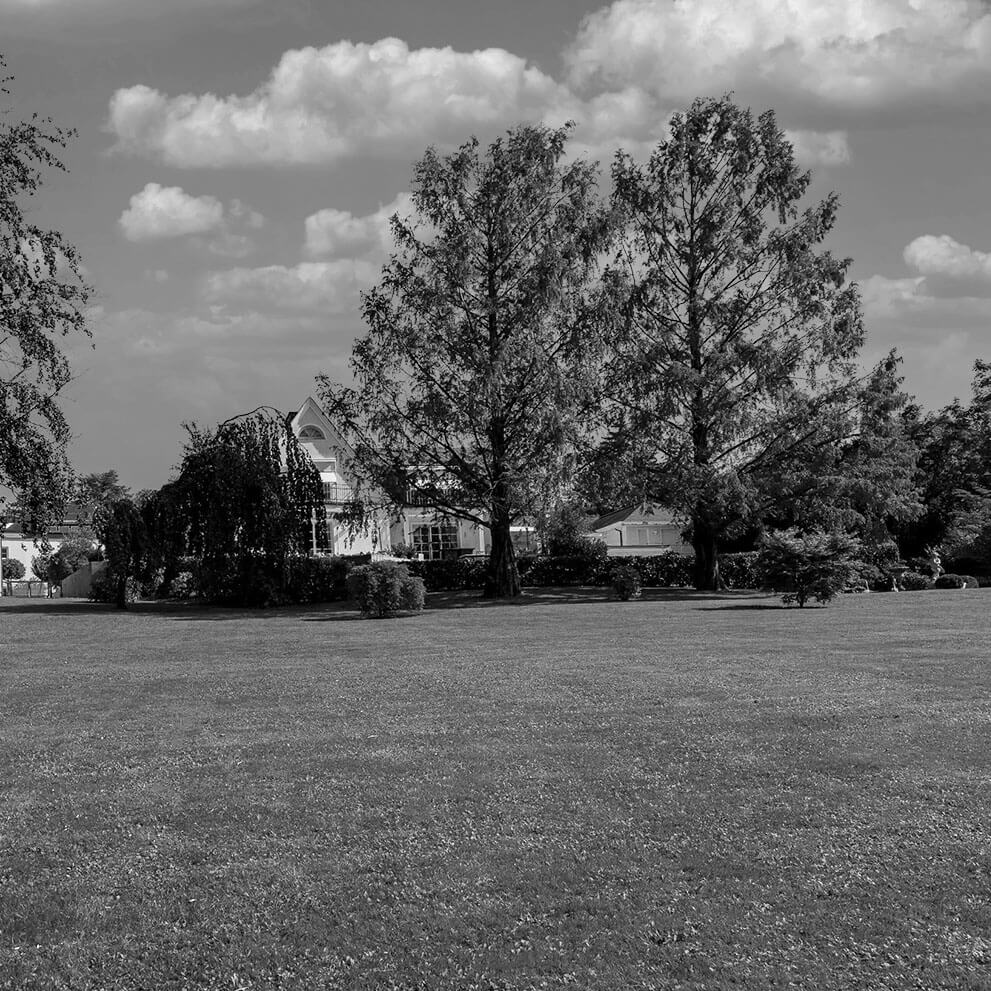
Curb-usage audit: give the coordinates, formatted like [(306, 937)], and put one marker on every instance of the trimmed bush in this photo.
[(626, 583), (956, 581), (384, 588), (914, 581), (12, 569)]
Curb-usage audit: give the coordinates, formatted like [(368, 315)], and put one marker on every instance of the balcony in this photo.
[(337, 492)]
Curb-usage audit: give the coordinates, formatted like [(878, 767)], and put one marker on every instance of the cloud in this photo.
[(949, 268), (333, 232), (160, 212), (322, 104), (167, 211), (844, 56), (939, 336), (330, 287)]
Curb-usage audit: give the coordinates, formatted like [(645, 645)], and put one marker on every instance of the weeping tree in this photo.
[(734, 343), (246, 501), (477, 363), (122, 532)]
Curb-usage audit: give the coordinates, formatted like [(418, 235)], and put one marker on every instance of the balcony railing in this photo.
[(425, 497), (337, 492)]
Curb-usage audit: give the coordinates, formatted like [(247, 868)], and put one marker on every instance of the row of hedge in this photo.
[(657, 571)]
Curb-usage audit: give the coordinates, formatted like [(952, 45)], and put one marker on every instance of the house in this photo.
[(647, 529), (19, 543), (418, 526)]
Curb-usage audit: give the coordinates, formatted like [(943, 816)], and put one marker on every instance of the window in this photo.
[(436, 540), (326, 546), (311, 433)]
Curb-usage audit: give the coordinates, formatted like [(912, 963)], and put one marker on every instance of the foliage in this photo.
[(914, 581), (122, 531), (245, 503), (319, 579), (81, 547), (956, 581), (734, 344), (42, 299), (656, 571), (808, 565), (185, 586), (954, 474), (98, 488), (564, 534), (384, 588), (477, 366), (12, 569), (626, 582), (107, 587)]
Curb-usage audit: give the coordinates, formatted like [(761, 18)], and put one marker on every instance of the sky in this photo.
[(236, 162)]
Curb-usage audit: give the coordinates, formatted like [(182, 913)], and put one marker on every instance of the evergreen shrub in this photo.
[(914, 581)]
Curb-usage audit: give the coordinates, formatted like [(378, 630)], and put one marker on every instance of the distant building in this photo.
[(19, 543), (418, 526), (646, 529)]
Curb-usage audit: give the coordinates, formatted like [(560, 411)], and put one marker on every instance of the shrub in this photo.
[(739, 570), (102, 588), (956, 581), (626, 582), (914, 581), (12, 569), (185, 586), (807, 565), (384, 588), (318, 579)]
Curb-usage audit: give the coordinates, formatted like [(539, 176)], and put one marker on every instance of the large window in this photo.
[(436, 540)]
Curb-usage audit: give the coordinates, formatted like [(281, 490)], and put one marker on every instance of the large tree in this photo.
[(42, 299), (735, 338), (471, 380)]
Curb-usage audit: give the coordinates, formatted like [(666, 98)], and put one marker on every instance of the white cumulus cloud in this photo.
[(331, 286), (949, 267), (333, 232), (168, 211), (845, 55), (321, 104)]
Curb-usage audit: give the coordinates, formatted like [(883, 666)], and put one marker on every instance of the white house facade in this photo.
[(642, 530), (417, 527)]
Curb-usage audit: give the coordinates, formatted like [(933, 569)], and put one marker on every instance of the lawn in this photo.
[(681, 792)]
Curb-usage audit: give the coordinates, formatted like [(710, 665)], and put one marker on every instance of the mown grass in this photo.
[(680, 792)]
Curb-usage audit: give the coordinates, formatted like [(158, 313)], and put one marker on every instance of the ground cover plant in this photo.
[(677, 792)]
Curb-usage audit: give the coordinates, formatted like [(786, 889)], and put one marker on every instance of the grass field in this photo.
[(681, 792)]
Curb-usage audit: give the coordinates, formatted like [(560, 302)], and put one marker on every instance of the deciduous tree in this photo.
[(42, 300), (472, 376), (735, 338)]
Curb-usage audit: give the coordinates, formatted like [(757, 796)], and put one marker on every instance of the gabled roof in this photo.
[(647, 512), (310, 412)]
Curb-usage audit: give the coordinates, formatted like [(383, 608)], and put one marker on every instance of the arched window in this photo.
[(311, 433)]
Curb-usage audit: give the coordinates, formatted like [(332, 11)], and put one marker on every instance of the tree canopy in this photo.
[(42, 299), (477, 365), (735, 339)]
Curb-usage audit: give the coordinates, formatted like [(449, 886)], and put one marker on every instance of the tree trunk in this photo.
[(503, 581), (707, 577)]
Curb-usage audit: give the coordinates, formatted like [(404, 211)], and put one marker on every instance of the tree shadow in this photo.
[(52, 607)]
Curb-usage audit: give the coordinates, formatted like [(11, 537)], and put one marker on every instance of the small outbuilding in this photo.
[(649, 528)]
